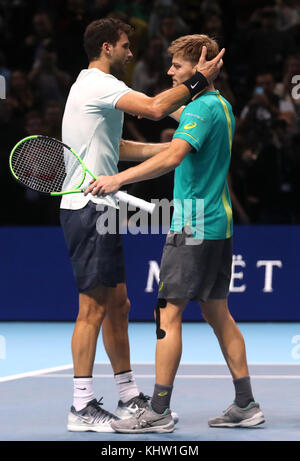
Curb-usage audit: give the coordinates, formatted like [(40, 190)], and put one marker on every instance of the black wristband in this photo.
[(196, 83)]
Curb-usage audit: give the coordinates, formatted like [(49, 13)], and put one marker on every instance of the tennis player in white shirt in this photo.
[(92, 125)]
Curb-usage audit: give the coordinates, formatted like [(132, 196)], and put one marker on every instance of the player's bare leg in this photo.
[(115, 328), (90, 317), (109, 307), (116, 342), (217, 315), (86, 412), (244, 411), (169, 349)]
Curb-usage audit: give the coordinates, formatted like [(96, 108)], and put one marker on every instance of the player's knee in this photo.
[(120, 311), (91, 312), (167, 317), (170, 316)]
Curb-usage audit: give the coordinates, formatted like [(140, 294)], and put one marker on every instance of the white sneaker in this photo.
[(91, 418)]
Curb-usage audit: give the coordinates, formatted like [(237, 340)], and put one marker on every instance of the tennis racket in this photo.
[(39, 162)]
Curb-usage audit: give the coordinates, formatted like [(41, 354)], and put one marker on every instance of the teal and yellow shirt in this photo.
[(201, 195)]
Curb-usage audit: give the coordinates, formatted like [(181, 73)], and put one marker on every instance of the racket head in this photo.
[(39, 163)]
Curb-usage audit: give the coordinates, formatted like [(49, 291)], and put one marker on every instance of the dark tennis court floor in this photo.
[(35, 408)]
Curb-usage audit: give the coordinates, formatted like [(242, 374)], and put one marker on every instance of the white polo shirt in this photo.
[(92, 127)]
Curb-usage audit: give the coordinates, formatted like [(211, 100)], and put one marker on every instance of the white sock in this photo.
[(83, 392), (126, 386)]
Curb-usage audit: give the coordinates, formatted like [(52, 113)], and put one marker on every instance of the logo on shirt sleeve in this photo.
[(190, 125)]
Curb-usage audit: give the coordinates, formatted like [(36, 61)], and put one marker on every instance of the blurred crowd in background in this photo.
[(41, 54)]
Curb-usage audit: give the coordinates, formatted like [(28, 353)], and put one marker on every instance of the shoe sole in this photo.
[(124, 415), (90, 428), (250, 422), (162, 429)]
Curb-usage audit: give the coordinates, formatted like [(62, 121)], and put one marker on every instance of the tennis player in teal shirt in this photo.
[(197, 256), (207, 124)]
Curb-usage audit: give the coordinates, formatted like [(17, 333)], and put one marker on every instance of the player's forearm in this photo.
[(152, 168), (170, 101), (139, 151)]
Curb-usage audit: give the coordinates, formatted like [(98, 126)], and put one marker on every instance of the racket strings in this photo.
[(39, 163)]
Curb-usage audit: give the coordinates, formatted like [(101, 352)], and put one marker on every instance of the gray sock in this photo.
[(243, 391), (161, 398)]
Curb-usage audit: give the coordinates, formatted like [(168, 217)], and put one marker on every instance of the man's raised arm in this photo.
[(169, 101)]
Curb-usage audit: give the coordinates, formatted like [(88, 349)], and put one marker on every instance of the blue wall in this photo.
[(37, 281)]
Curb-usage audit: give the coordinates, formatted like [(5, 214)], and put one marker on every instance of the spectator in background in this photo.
[(223, 85), (166, 21), (150, 68), (48, 81), (26, 206), (213, 27), (294, 32), (265, 108), (168, 27), (20, 95), (284, 89), (101, 8), (34, 43), (33, 123), (135, 9), (136, 13), (265, 46), (210, 7), (171, 28), (288, 13), (274, 178), (71, 23), (239, 214), (15, 24), (53, 114), (295, 149), (242, 180), (34, 203), (10, 127)]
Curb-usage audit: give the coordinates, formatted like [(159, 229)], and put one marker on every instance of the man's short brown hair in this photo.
[(103, 30), (189, 47)]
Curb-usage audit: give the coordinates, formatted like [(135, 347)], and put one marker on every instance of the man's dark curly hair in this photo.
[(103, 30)]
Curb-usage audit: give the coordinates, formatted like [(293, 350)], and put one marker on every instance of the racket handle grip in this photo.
[(135, 201)]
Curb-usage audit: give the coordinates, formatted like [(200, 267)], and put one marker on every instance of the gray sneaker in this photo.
[(91, 418), (145, 420), (235, 416), (128, 409)]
